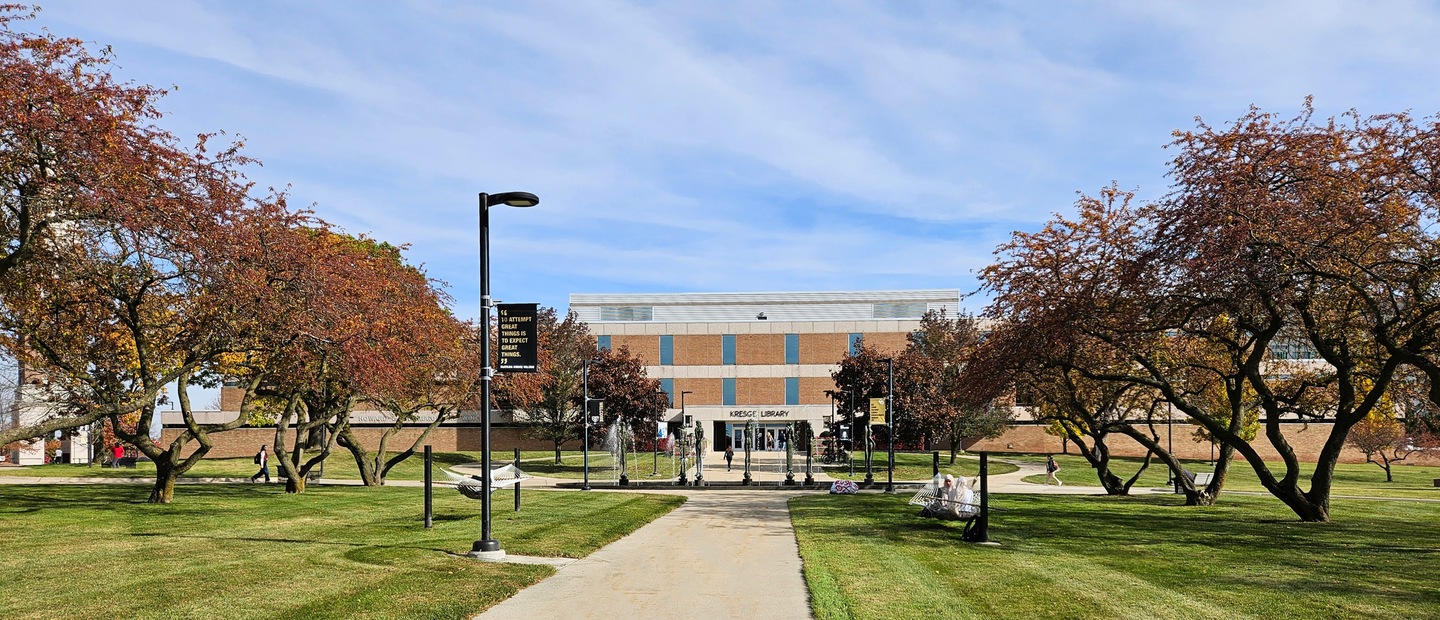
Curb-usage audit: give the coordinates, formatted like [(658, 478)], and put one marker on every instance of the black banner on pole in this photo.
[(519, 341)]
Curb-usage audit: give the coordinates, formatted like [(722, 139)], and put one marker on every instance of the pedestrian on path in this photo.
[(1050, 468), (263, 460), (729, 455), (119, 452)]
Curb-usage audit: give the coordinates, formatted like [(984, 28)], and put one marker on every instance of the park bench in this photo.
[(473, 486)]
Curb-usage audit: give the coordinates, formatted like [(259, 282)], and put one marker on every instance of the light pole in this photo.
[(890, 425), (585, 411), (487, 547), (683, 477), (620, 443), (699, 455)]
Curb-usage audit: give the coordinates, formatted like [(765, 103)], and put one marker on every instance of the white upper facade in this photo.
[(780, 306)]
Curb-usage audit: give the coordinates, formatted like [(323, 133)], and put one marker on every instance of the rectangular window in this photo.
[(669, 386), (602, 343), (855, 343), (667, 350), (727, 349), (727, 392), (792, 348), (792, 390)]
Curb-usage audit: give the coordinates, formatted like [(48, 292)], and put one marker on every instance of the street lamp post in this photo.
[(487, 547), (749, 443), (809, 452), (620, 443), (890, 425), (585, 412)]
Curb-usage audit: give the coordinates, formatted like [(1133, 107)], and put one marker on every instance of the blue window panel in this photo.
[(727, 349), (669, 386), (792, 390), (602, 343), (667, 350), (855, 343), (727, 392), (792, 348)]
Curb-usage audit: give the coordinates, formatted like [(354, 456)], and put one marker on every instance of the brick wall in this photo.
[(760, 349), (766, 391), (823, 348), (245, 442), (647, 348), (1306, 440)]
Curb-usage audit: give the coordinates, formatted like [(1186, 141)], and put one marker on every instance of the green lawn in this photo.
[(871, 556), (1354, 479), (251, 551), (913, 466)]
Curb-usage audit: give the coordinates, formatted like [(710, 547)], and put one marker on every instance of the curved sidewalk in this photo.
[(723, 554)]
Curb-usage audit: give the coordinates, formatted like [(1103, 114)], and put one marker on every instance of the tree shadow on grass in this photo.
[(289, 541)]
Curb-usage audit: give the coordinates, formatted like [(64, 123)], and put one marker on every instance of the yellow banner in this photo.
[(877, 410)]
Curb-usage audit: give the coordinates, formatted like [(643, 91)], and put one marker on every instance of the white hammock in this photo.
[(473, 487), (963, 506)]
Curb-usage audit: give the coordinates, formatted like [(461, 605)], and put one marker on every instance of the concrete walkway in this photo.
[(723, 554)]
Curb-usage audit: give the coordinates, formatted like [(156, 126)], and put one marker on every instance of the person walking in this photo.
[(262, 459), (729, 455), (1050, 468), (119, 452)]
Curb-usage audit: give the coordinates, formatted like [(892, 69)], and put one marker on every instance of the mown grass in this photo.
[(871, 556), (251, 551), (1353, 479), (915, 466)]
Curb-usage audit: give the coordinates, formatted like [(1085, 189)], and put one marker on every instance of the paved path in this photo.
[(723, 554)]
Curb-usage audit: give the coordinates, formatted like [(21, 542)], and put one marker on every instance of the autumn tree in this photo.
[(930, 402), (80, 159), (549, 401), (629, 394)]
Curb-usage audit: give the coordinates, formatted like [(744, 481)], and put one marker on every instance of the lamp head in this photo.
[(511, 199)]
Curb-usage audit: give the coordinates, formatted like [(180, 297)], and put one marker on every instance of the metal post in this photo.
[(487, 542), (517, 484), (980, 532), (749, 442), (655, 438), (684, 478), (790, 456), (429, 521), (890, 427), (935, 463), (809, 452), (585, 412)]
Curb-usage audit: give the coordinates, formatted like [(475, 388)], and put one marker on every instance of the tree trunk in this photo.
[(164, 490), (295, 484), (347, 440), (557, 453)]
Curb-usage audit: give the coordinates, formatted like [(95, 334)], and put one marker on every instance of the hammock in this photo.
[(473, 487), (963, 508)]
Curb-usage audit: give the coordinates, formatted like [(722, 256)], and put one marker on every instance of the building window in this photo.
[(727, 349), (855, 343), (602, 343), (627, 313), (669, 386), (667, 350), (727, 391), (792, 390), (792, 348)]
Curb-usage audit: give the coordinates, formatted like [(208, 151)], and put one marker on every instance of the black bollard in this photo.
[(517, 484), (981, 532), (429, 520), (935, 463)]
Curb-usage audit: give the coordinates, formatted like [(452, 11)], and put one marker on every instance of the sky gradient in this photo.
[(736, 146)]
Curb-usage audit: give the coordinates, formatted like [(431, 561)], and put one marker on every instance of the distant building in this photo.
[(765, 357)]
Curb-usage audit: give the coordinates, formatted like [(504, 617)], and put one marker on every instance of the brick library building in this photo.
[(731, 358)]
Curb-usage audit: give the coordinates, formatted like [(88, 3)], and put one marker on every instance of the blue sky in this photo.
[(736, 146)]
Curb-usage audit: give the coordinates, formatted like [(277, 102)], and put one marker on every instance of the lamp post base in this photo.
[(789, 479), (684, 480), (746, 480), (624, 481), (809, 479), (487, 550)]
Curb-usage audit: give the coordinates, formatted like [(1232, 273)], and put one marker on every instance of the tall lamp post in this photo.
[(890, 425), (585, 411), (487, 547)]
